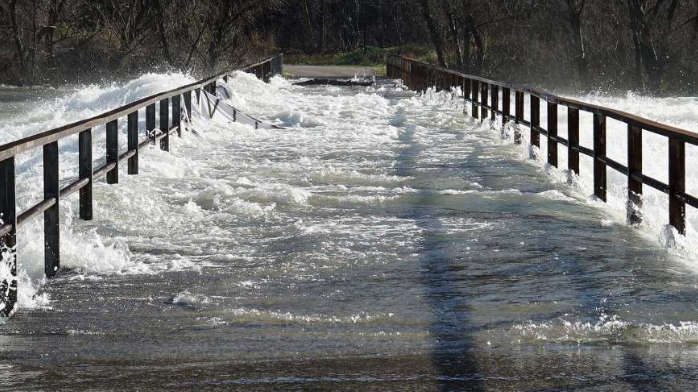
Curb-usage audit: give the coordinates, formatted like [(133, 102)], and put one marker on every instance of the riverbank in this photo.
[(372, 57)]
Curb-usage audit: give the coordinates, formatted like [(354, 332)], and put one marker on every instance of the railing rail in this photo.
[(478, 91), (48, 140)]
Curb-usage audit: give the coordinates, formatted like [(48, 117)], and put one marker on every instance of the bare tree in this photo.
[(433, 32)]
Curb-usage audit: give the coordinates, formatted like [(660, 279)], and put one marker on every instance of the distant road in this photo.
[(321, 71)]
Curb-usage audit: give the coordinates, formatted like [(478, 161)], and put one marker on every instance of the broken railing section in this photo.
[(215, 105), (420, 76), (169, 105)]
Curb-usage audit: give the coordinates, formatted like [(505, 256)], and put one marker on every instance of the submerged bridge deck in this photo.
[(380, 241)]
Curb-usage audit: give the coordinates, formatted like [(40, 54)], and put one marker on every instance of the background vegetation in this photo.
[(644, 45)]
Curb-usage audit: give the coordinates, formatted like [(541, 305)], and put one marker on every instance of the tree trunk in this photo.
[(575, 18), (19, 46), (453, 28), (163, 34), (323, 26), (435, 36), (646, 58)]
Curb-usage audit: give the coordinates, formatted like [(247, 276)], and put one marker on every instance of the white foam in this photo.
[(606, 330), (679, 112)]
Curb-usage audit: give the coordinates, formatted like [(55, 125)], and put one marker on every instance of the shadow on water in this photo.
[(453, 352)]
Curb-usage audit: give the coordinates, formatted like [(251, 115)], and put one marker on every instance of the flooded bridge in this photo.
[(344, 238)]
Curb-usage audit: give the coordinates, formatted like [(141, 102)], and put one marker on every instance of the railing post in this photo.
[(52, 190), (573, 131), (552, 133), (133, 142), (634, 167), (113, 151), (187, 103), (495, 101), (475, 91), (677, 184), (535, 120), (177, 114), (85, 172), (484, 99), (165, 124), (519, 115), (506, 105), (8, 255), (150, 120), (466, 94), (599, 154)]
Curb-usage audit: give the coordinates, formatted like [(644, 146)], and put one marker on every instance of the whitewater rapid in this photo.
[(377, 223), (87, 250)]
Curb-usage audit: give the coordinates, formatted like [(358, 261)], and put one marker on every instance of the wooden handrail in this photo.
[(420, 75), (628, 118), (49, 206)]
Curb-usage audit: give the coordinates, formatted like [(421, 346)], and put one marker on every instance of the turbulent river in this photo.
[(381, 240)]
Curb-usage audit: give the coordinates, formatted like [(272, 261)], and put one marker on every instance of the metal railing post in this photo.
[(113, 151), (599, 155), (634, 167), (85, 173), (133, 142), (573, 132), (552, 133), (535, 120), (187, 103), (519, 115), (677, 184), (495, 100), (177, 114), (150, 121), (165, 124), (483, 100), (8, 241), (506, 105), (52, 190), (475, 91)]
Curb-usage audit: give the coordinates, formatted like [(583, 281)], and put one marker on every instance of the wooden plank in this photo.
[(634, 167), (599, 153), (52, 190), (677, 185), (8, 241)]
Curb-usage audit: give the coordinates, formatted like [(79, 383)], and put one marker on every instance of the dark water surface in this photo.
[(386, 242)]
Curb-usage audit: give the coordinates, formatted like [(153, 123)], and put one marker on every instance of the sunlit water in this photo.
[(383, 240)]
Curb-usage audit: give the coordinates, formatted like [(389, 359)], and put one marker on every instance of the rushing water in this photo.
[(383, 240)]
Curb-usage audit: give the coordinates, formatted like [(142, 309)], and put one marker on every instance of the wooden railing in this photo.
[(169, 123), (483, 95)]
